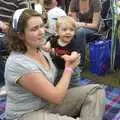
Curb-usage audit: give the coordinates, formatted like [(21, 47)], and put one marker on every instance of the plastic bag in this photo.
[(99, 55)]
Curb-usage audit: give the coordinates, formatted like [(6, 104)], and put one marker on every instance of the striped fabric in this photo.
[(7, 8)]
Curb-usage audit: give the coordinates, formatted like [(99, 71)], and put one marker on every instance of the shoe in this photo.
[(3, 91)]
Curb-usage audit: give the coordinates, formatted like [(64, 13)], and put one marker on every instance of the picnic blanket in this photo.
[(112, 101)]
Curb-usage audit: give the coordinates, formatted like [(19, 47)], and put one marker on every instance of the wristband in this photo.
[(69, 69)]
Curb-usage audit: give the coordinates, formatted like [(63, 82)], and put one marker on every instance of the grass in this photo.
[(112, 79)]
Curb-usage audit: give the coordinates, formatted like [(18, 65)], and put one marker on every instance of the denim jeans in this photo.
[(2, 59), (2, 67), (82, 36)]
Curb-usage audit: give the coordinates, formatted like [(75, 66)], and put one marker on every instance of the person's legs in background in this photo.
[(2, 64), (82, 37), (80, 41)]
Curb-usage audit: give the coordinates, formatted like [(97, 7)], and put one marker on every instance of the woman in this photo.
[(86, 12), (30, 75)]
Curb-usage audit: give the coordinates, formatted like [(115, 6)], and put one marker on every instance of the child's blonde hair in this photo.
[(65, 19)]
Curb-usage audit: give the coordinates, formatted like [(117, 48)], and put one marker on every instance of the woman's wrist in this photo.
[(81, 24), (68, 69)]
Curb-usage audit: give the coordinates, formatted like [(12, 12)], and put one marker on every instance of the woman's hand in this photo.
[(71, 63), (81, 24)]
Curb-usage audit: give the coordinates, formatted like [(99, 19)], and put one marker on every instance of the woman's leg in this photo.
[(86, 101), (94, 106), (44, 115)]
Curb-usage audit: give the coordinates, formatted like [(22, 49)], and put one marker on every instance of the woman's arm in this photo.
[(94, 24), (96, 14), (39, 85)]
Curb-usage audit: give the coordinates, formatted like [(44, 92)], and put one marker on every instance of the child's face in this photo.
[(66, 32)]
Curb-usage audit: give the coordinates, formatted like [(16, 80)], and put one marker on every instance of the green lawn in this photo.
[(112, 79)]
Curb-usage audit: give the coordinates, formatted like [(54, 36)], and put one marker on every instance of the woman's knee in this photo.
[(99, 96)]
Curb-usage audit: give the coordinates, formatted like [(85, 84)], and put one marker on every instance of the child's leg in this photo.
[(75, 80)]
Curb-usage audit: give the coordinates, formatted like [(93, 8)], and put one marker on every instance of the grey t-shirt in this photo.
[(20, 101)]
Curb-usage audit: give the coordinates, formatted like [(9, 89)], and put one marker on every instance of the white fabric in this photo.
[(53, 14), (38, 8), (16, 17)]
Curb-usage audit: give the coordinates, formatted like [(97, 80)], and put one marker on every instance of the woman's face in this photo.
[(34, 33)]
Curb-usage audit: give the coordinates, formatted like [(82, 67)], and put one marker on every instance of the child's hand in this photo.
[(66, 57), (47, 47), (74, 63)]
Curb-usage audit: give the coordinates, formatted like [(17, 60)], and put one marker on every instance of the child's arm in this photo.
[(47, 46)]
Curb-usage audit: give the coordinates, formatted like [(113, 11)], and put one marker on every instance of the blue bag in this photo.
[(99, 56)]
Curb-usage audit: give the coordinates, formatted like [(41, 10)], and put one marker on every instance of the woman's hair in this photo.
[(65, 19), (14, 42)]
